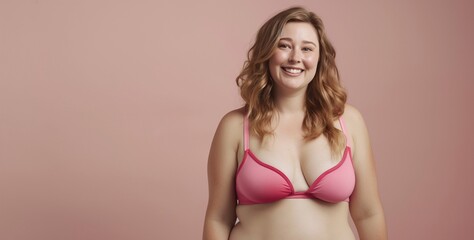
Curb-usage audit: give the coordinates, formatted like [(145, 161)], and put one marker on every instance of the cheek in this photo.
[(278, 58), (311, 62)]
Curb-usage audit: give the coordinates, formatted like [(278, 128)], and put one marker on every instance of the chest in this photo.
[(300, 160)]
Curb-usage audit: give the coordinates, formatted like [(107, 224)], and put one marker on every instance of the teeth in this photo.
[(293, 70)]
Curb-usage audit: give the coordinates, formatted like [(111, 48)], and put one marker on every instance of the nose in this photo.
[(295, 56)]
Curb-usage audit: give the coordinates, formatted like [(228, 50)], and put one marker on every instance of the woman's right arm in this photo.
[(220, 215)]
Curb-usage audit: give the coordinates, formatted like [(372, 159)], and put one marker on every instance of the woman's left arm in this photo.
[(365, 206)]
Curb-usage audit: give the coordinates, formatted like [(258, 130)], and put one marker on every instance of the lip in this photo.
[(290, 73), (293, 67)]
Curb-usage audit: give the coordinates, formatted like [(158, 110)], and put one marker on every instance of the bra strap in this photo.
[(246, 133), (343, 126)]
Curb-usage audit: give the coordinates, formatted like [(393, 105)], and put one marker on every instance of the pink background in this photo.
[(108, 108)]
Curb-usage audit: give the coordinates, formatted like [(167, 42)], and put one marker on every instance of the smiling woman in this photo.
[(293, 63), (295, 161)]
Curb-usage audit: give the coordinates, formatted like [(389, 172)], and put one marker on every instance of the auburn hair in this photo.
[(325, 97)]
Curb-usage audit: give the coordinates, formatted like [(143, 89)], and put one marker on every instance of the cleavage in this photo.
[(302, 162)]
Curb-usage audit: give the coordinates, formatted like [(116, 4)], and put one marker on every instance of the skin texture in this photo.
[(302, 161)]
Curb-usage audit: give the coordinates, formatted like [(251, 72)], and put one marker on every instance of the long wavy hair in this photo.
[(325, 97)]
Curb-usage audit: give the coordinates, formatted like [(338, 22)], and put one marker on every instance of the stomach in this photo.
[(303, 219)]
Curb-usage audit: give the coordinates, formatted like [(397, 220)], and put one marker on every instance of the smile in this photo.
[(292, 70)]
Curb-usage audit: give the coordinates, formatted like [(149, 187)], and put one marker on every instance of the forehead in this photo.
[(299, 31)]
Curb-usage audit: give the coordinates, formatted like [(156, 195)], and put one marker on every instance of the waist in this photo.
[(295, 210), (293, 219)]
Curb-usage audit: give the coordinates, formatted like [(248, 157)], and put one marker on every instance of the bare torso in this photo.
[(304, 219)]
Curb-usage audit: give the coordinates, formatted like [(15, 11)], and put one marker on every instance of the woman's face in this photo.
[(294, 61)]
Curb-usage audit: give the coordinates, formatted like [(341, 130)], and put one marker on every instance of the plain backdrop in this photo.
[(108, 108)]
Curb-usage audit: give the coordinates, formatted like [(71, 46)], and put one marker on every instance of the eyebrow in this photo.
[(304, 41)]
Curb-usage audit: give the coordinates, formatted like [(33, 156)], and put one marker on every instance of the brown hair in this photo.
[(325, 97)]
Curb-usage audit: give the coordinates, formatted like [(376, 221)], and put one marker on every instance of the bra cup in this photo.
[(336, 186), (258, 184)]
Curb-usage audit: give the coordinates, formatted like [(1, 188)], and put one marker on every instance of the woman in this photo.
[(295, 162)]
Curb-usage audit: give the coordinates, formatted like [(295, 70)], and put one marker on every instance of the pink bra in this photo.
[(257, 182)]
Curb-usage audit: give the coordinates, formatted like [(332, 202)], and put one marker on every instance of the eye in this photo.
[(307, 49), (283, 46)]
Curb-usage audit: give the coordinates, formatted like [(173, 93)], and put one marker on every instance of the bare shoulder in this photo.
[(230, 127), (232, 120), (356, 127), (234, 117), (353, 117)]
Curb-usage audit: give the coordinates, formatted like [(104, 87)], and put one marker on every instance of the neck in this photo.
[(290, 103)]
